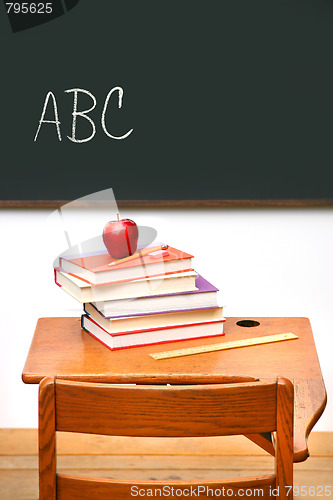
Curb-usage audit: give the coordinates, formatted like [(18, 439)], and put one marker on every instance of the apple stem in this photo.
[(117, 216)]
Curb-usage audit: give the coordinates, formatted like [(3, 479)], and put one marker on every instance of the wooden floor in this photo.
[(142, 458)]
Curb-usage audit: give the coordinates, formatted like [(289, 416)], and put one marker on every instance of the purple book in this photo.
[(204, 297)]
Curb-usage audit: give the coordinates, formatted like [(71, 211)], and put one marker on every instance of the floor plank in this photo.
[(136, 462), (147, 459), (23, 484), (24, 442)]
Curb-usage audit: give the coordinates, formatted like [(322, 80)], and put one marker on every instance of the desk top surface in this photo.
[(61, 348)]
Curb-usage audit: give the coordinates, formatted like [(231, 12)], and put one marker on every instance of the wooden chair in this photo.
[(165, 411)]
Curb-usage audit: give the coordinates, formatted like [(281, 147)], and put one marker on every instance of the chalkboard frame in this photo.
[(172, 204), (256, 67)]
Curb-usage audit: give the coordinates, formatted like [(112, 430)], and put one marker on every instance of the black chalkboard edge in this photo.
[(318, 203)]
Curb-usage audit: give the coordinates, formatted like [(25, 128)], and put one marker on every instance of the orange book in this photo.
[(96, 269)]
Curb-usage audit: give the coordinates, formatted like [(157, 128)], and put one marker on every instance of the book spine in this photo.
[(55, 277), (82, 318)]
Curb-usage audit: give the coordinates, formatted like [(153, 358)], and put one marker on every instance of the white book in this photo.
[(205, 295), (84, 292), (153, 321)]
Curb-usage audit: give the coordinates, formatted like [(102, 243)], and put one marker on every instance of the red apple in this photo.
[(121, 237)]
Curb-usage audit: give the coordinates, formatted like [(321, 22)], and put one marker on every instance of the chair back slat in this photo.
[(73, 488), (166, 411)]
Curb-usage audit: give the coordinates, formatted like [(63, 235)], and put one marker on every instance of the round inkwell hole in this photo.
[(247, 323)]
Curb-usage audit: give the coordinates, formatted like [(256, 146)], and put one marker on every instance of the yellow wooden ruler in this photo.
[(224, 345)]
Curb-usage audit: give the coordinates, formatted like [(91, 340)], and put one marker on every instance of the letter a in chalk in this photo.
[(55, 109), (83, 114)]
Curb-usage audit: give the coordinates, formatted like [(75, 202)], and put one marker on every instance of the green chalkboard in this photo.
[(192, 100)]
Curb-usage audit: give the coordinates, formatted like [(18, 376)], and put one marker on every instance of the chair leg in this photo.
[(284, 459), (47, 440)]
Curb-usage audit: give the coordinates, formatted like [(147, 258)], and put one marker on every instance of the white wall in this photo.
[(266, 262)]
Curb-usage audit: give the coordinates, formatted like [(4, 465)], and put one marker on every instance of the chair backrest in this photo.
[(164, 411)]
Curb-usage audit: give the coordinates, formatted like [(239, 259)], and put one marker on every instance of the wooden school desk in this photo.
[(61, 348)]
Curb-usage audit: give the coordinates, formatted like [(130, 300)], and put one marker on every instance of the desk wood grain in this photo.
[(61, 348)]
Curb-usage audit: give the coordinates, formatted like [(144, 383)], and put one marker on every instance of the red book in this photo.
[(140, 338), (95, 269)]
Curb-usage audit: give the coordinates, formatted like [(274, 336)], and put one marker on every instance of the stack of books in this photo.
[(146, 299)]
